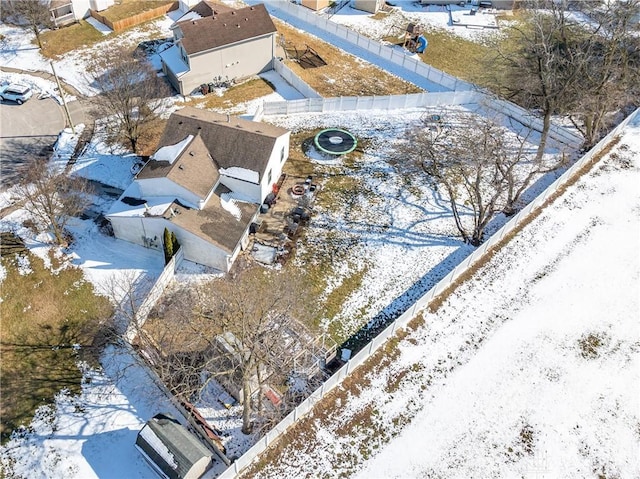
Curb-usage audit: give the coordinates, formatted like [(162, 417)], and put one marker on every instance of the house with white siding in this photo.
[(205, 183), (66, 12)]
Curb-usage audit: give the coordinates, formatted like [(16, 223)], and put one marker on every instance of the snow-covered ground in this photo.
[(18, 51), (477, 27), (564, 367), (404, 238), (90, 435), (529, 369), (396, 227)]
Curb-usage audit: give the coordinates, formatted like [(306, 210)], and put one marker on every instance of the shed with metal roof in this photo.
[(171, 450)]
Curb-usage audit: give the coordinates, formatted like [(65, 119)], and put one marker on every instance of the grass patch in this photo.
[(298, 164), (591, 344), (338, 296), (340, 185), (61, 41), (452, 54), (129, 8), (56, 43), (235, 95), (45, 316), (344, 74)]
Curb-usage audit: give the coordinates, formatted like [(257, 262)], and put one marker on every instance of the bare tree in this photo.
[(238, 330), (540, 62), (130, 93), (478, 166), (519, 170), (251, 314), (610, 74), (52, 197), (33, 14)]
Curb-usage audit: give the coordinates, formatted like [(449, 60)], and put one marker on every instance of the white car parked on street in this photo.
[(15, 92)]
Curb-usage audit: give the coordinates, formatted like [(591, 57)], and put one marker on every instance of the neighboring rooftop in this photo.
[(207, 8), (225, 28), (202, 10)]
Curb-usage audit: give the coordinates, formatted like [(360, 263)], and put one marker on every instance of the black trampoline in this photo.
[(335, 142)]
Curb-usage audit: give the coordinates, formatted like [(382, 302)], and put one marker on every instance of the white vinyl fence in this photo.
[(410, 68), (307, 405), (168, 273), (294, 80), (437, 78), (532, 120), (421, 100), (387, 102)]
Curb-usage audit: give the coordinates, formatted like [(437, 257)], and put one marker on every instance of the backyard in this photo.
[(558, 367), (344, 74)]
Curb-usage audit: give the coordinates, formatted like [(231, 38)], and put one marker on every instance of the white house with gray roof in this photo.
[(205, 183)]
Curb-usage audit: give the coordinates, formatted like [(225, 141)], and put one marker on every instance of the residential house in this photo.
[(371, 6), (205, 183), (66, 12), (500, 4), (171, 450), (315, 4), (213, 41), (202, 9)]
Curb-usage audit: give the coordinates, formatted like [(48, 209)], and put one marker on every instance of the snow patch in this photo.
[(158, 446), (229, 201), (171, 152), (241, 174)]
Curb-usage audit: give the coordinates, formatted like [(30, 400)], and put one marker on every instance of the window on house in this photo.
[(282, 155), (269, 177)]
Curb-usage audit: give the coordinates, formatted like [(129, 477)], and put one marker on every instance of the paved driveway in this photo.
[(26, 131)]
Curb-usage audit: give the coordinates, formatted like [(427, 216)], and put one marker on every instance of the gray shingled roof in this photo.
[(225, 28), (193, 169), (214, 223), (231, 141), (207, 9), (183, 446)]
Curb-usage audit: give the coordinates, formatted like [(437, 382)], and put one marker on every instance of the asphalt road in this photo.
[(26, 131)]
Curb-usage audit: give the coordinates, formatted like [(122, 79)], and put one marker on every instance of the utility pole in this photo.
[(64, 102)]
